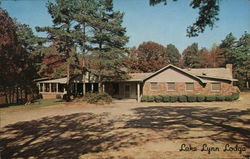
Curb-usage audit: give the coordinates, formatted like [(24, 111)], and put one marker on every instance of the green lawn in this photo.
[(38, 103)]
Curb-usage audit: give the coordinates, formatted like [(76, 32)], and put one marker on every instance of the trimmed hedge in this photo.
[(210, 98), (192, 98), (188, 98), (183, 98), (201, 98)]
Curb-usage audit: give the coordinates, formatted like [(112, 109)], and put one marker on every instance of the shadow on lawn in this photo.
[(71, 136), (179, 120)]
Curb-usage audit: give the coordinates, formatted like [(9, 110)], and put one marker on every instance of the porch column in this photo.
[(43, 87), (138, 92), (92, 87), (50, 87), (57, 87), (83, 89), (103, 88)]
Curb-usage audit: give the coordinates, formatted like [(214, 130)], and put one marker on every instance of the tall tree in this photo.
[(213, 57), (17, 63), (173, 54), (9, 55), (228, 46), (148, 57), (241, 58), (191, 56), (109, 42), (63, 32)]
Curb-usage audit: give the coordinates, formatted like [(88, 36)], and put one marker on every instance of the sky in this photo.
[(163, 24)]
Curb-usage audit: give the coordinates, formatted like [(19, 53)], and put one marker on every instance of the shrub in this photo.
[(228, 98), (58, 96), (191, 98), (183, 98), (151, 99), (95, 98), (158, 98), (66, 97), (210, 98), (166, 98), (220, 98), (201, 98), (144, 98), (40, 96), (235, 96), (173, 98)]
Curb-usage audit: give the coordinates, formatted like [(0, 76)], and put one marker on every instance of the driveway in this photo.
[(128, 130)]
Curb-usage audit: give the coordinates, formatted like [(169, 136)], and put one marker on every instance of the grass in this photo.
[(37, 104)]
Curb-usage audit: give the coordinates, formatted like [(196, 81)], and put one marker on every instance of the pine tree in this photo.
[(191, 56), (173, 54), (109, 42), (63, 32)]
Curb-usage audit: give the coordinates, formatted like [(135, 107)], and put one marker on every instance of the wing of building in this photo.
[(170, 80)]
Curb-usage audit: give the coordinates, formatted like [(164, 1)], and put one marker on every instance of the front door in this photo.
[(127, 91)]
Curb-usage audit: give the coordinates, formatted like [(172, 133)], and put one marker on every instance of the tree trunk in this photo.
[(247, 83), (68, 83), (6, 96), (25, 94), (17, 95)]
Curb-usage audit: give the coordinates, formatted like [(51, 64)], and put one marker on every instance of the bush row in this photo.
[(188, 98)]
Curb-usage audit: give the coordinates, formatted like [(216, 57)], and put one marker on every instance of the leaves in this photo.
[(208, 15)]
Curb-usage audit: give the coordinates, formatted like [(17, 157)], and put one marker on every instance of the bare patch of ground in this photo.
[(128, 130)]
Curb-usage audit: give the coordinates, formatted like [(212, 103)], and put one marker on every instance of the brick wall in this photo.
[(180, 89)]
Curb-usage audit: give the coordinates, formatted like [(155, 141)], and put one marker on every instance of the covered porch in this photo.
[(124, 90)]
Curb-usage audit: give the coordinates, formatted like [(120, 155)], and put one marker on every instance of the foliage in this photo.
[(148, 57), (188, 98), (173, 98), (144, 98), (18, 65), (220, 98), (208, 15), (235, 96), (151, 56), (237, 52), (192, 56), (210, 98), (192, 98), (229, 98), (182, 98), (158, 98), (166, 98), (201, 98), (94, 98), (213, 58), (173, 54), (108, 43)]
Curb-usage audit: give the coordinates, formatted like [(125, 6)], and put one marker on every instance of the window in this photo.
[(41, 87), (171, 86), (47, 87), (190, 86), (61, 87), (216, 87), (53, 87), (153, 85)]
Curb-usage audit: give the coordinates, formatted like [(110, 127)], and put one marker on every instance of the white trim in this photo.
[(171, 90), (186, 86)]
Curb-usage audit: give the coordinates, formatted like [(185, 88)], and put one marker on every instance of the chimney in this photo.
[(230, 66)]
